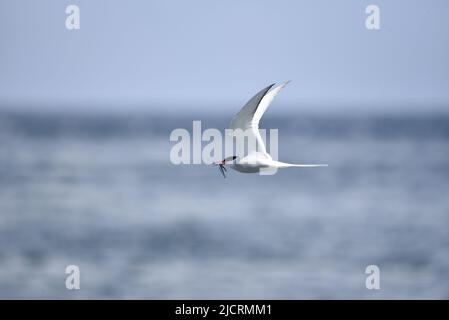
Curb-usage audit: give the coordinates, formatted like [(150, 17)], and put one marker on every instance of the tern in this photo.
[(247, 119)]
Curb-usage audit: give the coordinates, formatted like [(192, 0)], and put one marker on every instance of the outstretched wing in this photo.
[(251, 113)]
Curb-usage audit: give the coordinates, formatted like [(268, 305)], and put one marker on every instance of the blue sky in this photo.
[(203, 54)]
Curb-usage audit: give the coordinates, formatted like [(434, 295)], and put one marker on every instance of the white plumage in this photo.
[(247, 120)]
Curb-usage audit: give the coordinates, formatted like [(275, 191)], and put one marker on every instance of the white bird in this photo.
[(247, 119)]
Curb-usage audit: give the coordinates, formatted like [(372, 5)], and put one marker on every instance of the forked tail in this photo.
[(279, 164)]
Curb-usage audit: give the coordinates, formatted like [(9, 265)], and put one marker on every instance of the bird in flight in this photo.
[(247, 120)]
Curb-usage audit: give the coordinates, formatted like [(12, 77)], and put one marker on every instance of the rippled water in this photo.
[(98, 191)]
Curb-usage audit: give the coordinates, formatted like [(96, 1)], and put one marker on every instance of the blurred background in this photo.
[(86, 178)]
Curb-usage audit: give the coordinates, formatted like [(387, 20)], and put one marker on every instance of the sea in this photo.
[(98, 191)]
